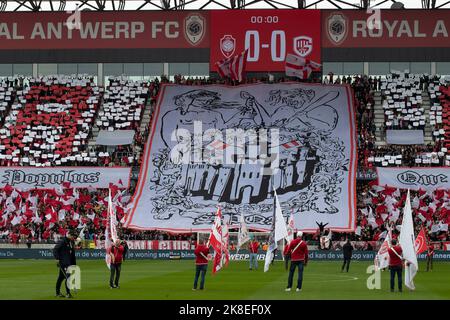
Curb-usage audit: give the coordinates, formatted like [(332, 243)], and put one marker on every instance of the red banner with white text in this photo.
[(104, 30), (385, 28)]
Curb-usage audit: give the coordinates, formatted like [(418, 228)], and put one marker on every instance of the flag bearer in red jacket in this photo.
[(116, 253), (253, 248), (396, 264), (298, 250), (201, 262)]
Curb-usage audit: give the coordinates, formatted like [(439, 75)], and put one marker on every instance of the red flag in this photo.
[(215, 240), (233, 67), (420, 243)]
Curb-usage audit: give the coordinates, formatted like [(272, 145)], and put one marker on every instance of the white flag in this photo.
[(382, 257), (112, 218), (243, 236), (108, 245), (278, 232), (299, 67), (290, 228), (407, 240), (110, 231)]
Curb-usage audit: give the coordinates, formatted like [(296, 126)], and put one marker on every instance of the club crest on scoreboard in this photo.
[(303, 45), (227, 45), (337, 28), (194, 28)]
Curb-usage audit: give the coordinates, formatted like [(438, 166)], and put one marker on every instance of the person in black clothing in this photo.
[(125, 249), (29, 241), (64, 253), (321, 227), (347, 249)]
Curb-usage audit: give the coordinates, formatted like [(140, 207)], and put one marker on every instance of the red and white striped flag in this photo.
[(299, 67), (108, 245), (291, 144), (110, 230), (290, 228), (225, 242), (215, 240), (382, 258), (217, 145), (233, 67)]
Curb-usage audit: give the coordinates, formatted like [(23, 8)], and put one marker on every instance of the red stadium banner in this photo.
[(268, 34), (104, 30), (385, 28)]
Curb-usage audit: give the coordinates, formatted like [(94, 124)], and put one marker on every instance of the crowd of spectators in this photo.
[(434, 153), (88, 211), (380, 209)]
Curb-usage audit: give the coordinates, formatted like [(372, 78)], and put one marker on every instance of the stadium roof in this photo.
[(119, 5)]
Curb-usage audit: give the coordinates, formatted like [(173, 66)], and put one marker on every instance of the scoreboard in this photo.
[(269, 35)]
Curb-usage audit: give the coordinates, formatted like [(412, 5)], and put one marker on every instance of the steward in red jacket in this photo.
[(201, 264), (396, 264), (298, 250)]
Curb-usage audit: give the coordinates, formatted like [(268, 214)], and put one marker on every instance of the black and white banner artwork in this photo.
[(26, 178), (415, 178), (231, 147)]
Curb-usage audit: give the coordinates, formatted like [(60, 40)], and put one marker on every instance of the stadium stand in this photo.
[(123, 104), (379, 209), (48, 101), (440, 98), (51, 122), (402, 101), (7, 96)]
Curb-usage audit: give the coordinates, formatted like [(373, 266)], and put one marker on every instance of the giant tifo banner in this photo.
[(94, 30), (415, 178), (268, 34), (213, 146), (54, 177), (385, 28)]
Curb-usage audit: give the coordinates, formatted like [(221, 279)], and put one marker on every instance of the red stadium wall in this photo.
[(209, 36)]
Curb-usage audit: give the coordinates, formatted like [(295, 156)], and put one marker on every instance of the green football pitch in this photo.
[(35, 279)]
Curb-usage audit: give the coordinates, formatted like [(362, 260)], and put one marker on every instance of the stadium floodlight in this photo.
[(429, 4), (100, 5), (62, 5), (35, 5), (365, 4), (121, 5), (397, 5), (240, 4), (165, 4)]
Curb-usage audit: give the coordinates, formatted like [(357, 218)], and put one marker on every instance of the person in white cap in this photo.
[(298, 250)]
